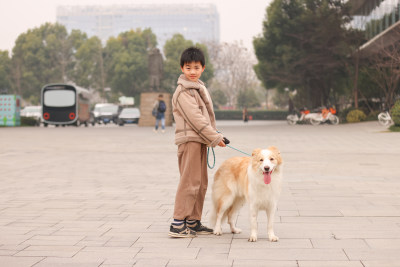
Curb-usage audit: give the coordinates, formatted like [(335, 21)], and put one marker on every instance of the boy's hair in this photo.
[(192, 54)]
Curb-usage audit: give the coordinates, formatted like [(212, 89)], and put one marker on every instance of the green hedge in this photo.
[(28, 121), (256, 114), (355, 115), (395, 113)]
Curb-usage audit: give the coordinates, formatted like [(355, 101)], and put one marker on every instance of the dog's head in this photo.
[(266, 161)]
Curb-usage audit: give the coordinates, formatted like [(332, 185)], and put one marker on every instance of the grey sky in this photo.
[(240, 20)]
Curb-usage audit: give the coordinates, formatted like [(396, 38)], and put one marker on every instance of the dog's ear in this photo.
[(277, 153), (256, 151)]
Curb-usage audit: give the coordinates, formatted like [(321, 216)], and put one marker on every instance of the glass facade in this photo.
[(375, 16), (196, 22)]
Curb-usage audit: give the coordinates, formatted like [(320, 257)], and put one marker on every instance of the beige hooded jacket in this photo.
[(194, 114)]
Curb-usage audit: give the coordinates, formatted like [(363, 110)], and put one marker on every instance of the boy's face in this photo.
[(193, 70)]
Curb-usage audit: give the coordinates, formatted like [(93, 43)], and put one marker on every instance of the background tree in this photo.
[(234, 71), (247, 99), (305, 46), (89, 67), (5, 71), (219, 98), (126, 61), (173, 49), (40, 56), (382, 67)]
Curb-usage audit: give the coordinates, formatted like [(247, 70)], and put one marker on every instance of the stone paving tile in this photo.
[(200, 263), (19, 261), (167, 252), (330, 264), (289, 254), (334, 243), (67, 262), (151, 262), (379, 243), (372, 254), (258, 263), (265, 244), (49, 251), (382, 263), (213, 253)]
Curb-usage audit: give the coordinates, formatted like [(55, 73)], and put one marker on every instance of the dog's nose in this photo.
[(266, 168)]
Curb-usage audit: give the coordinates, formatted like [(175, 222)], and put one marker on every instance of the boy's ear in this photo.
[(182, 69), (204, 68)]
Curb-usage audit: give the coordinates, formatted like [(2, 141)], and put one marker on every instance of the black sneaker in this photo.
[(183, 231), (199, 228)]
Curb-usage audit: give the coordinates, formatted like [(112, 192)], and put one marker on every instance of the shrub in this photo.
[(373, 115), (342, 114), (395, 113), (356, 116), (394, 128), (28, 121)]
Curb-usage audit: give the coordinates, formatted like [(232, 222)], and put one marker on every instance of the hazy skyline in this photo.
[(239, 20)]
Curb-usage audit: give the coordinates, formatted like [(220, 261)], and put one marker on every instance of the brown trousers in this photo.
[(192, 188)]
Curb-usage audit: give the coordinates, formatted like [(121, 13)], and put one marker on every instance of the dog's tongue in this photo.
[(267, 177)]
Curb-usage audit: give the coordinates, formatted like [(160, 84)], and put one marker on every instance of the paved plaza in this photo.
[(104, 196)]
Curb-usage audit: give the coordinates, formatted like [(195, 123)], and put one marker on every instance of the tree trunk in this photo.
[(355, 84)]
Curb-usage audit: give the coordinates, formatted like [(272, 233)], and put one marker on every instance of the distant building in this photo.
[(196, 22), (379, 18)]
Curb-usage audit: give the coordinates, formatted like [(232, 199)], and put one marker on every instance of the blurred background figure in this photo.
[(245, 115), (159, 109)]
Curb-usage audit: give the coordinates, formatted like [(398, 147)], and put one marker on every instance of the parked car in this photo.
[(128, 115), (34, 112), (106, 113)]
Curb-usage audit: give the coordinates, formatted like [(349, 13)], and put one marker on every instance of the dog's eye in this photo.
[(261, 159), (271, 159)]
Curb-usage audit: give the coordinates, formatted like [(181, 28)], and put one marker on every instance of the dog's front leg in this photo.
[(271, 217), (253, 224)]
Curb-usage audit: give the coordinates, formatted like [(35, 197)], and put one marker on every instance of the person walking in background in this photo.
[(195, 130), (159, 109), (245, 115)]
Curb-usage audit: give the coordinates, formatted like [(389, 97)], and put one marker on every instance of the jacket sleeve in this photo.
[(189, 108)]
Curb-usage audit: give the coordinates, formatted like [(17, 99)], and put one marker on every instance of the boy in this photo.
[(195, 130)]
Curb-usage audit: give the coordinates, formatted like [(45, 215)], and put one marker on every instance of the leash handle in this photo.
[(208, 163)]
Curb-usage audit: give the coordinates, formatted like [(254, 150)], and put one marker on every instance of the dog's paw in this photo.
[(217, 231), (253, 238), (236, 230), (273, 238)]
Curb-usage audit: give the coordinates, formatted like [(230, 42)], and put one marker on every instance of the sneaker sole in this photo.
[(204, 233), (180, 235)]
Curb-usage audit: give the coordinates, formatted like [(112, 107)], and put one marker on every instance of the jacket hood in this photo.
[(182, 80)]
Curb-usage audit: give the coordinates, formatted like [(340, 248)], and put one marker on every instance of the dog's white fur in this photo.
[(241, 179)]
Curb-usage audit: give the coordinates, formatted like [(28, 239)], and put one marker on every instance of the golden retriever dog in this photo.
[(255, 179)]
